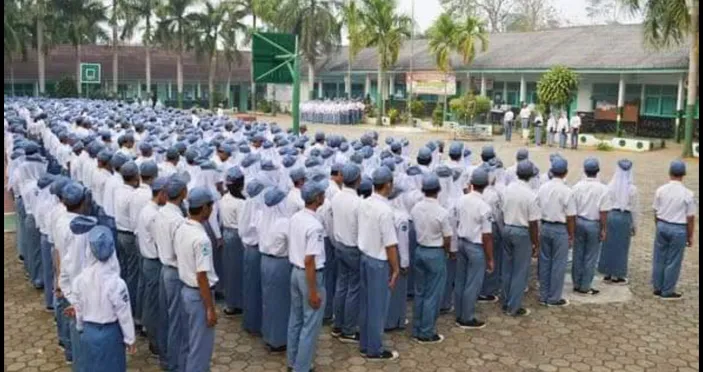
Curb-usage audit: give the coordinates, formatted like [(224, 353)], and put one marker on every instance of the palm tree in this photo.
[(386, 30), (443, 37), (119, 11), (14, 36), (264, 10), (208, 26), (82, 19), (470, 31), (174, 31), (668, 23), (351, 18), (232, 28), (144, 10), (315, 24)]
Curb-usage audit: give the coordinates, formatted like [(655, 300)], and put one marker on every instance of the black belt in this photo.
[(621, 210), (125, 232), (516, 226), (316, 270), (588, 219), (212, 288), (151, 259), (671, 223), (426, 247), (272, 256), (553, 223)]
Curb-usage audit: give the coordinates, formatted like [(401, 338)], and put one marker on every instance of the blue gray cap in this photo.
[(172, 153), (625, 164), (413, 170), (430, 182), (145, 147), (31, 147), (522, 154), (559, 166), (443, 171), (105, 155), (297, 174), (57, 186), (381, 176), (268, 165), (525, 168), (288, 161), (479, 177), (175, 186), (45, 180), (396, 146), (250, 159), (148, 169), (78, 146), (456, 149), (233, 174), (191, 155), (591, 165), (159, 184), (273, 196), (397, 190), (118, 160), (319, 136), (677, 168), (199, 196), (312, 161), (72, 194), (389, 163), (129, 169), (350, 172), (102, 244), (488, 152), (311, 190), (254, 188), (424, 153), (366, 185), (357, 158)]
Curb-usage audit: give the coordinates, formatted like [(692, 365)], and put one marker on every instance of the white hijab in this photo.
[(620, 188)]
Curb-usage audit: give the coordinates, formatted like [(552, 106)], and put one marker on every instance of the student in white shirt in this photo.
[(434, 232), (675, 210), (169, 217), (511, 172), (575, 125), (539, 123), (521, 215), (345, 213), (170, 165), (307, 257), (151, 266), (102, 307), (592, 206), (551, 129), (475, 250), (621, 225), (396, 317), (379, 261), (558, 208), (508, 124), (231, 206), (275, 270), (249, 233), (294, 201), (194, 252), (128, 256), (100, 176)]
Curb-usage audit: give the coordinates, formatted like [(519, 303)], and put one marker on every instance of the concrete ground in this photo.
[(628, 330)]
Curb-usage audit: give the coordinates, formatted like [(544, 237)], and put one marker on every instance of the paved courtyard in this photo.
[(626, 331)]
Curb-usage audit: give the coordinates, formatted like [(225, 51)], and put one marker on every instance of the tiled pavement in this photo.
[(642, 334)]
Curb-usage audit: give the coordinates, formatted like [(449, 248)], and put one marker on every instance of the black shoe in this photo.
[(607, 278), (472, 324), (279, 349), (20, 259), (504, 308), (619, 281), (153, 350), (657, 293), (488, 299), (327, 321), (591, 291), (219, 296), (672, 297), (232, 312), (445, 311), (522, 312), (140, 331), (560, 303), (349, 339), (436, 339), (385, 355), (336, 332)]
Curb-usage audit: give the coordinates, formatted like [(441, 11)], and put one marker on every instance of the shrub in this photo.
[(557, 86), (417, 108), (263, 106), (66, 88), (604, 146), (393, 116), (437, 116)]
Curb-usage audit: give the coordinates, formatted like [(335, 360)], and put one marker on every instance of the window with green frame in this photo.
[(659, 100), (531, 93), (604, 92)]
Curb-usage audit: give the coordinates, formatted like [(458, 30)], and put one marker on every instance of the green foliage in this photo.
[(666, 23), (393, 116), (469, 106), (483, 105), (66, 88), (219, 98), (604, 146), (437, 116), (417, 108), (556, 87), (263, 106)]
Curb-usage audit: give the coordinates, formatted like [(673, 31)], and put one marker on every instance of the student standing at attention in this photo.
[(675, 209), (197, 272), (592, 206), (434, 233), (558, 225), (379, 265), (307, 256)]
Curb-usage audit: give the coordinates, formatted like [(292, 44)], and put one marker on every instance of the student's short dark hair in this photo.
[(145, 179), (334, 173), (364, 194), (479, 188), (235, 188), (524, 177), (130, 178), (351, 183), (431, 193), (455, 157), (155, 193), (591, 174), (424, 161), (198, 210)]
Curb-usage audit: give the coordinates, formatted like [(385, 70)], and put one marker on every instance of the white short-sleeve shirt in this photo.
[(591, 197), (306, 238), (345, 215), (230, 211), (521, 205), (432, 222), (475, 217), (164, 230), (673, 203), (123, 195), (377, 227), (147, 217), (194, 253), (556, 200)]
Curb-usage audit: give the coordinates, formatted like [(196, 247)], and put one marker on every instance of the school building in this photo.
[(615, 67)]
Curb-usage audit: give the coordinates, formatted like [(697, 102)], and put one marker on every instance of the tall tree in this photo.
[(471, 31), (138, 11), (83, 19), (232, 29), (603, 11), (259, 10), (208, 25), (495, 12), (351, 19), (532, 15), (460, 8), (668, 23), (315, 24), (386, 30), (46, 30), (443, 43), (174, 31), (15, 34)]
